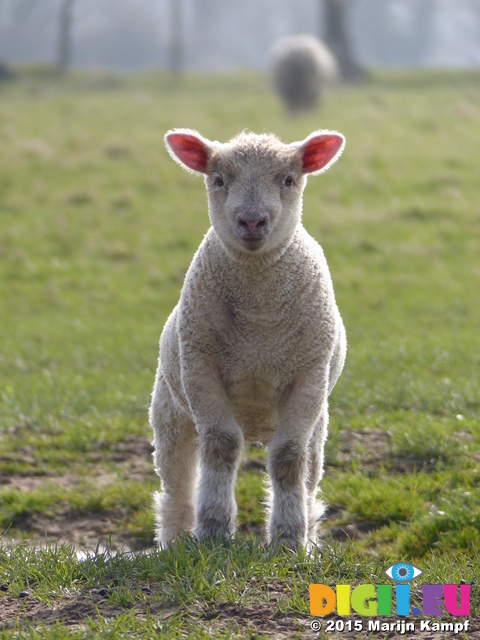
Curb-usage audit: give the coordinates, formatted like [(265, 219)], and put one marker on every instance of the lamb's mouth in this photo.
[(252, 243)]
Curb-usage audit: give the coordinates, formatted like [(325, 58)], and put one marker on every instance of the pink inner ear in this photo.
[(318, 151), (190, 150)]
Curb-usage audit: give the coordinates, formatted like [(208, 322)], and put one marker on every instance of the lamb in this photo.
[(254, 346), (302, 68)]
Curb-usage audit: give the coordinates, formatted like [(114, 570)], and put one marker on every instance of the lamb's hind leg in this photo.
[(315, 507), (316, 445), (175, 458)]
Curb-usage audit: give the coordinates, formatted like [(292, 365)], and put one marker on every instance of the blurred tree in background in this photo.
[(64, 50), (338, 39), (176, 55)]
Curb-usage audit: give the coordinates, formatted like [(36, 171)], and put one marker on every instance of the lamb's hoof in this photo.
[(313, 546), (212, 528), (290, 543)]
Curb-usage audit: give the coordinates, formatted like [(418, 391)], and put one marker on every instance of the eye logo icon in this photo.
[(403, 572)]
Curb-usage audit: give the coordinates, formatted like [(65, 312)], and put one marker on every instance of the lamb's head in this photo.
[(255, 182)]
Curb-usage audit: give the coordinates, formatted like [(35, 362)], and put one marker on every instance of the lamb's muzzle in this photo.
[(251, 226)]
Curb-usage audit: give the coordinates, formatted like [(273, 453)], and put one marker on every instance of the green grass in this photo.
[(192, 590), (98, 227)]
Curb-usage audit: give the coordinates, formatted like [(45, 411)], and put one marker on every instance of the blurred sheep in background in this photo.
[(302, 69)]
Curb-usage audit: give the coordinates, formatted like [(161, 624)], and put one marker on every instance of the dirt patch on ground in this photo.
[(86, 532), (99, 528), (258, 619), (261, 619), (71, 611), (369, 447)]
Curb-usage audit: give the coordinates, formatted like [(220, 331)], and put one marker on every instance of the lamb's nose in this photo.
[(252, 225)]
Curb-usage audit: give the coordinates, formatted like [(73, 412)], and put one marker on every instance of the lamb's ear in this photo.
[(320, 150), (189, 149)]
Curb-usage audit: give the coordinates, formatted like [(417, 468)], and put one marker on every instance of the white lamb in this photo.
[(254, 346)]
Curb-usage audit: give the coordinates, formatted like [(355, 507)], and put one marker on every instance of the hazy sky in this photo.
[(132, 34)]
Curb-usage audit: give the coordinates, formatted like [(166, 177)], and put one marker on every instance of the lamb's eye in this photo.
[(289, 181), (218, 182)]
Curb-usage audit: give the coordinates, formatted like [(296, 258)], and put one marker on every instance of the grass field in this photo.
[(97, 229)]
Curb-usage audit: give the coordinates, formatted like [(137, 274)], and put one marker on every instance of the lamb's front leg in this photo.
[(221, 444), (288, 511), (288, 463)]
